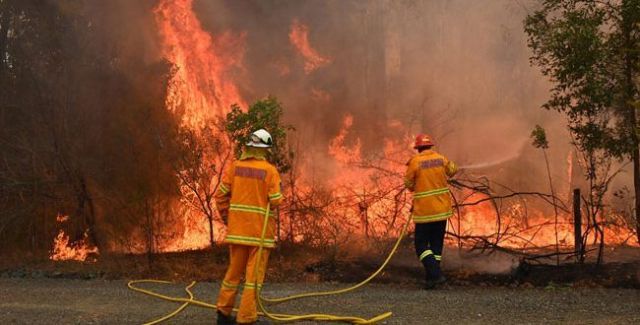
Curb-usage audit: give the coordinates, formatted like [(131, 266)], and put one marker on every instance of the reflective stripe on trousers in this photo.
[(242, 260), (428, 253)]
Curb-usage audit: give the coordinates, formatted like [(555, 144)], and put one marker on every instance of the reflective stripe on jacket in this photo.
[(246, 188), (426, 176)]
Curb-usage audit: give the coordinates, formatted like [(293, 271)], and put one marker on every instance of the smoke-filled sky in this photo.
[(456, 69)]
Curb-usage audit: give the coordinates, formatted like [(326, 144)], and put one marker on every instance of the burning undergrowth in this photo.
[(79, 250), (300, 264), (356, 84), (345, 185)]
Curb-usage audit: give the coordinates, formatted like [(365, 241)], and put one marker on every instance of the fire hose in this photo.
[(260, 300)]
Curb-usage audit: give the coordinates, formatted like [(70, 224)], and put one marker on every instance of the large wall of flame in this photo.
[(356, 78), (456, 69)]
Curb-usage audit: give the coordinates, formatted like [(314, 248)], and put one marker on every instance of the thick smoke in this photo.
[(88, 81), (458, 70)]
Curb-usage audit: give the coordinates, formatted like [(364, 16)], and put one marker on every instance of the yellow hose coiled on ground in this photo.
[(260, 299)]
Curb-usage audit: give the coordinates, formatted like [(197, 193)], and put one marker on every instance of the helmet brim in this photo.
[(257, 145)]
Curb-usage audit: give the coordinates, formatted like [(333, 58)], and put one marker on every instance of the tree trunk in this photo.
[(150, 235), (577, 226), (90, 223), (210, 219), (210, 212), (636, 183), (4, 36), (555, 206), (631, 70)]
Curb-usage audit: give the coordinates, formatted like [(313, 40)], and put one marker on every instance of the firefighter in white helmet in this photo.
[(247, 186)]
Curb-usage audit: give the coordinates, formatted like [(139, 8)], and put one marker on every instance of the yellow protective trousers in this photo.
[(242, 260)]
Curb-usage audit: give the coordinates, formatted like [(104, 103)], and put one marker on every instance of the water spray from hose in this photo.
[(485, 164)]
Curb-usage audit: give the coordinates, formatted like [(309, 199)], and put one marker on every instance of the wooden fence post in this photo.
[(577, 224)]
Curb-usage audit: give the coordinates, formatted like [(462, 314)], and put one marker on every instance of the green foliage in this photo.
[(589, 50), (539, 136), (263, 114)]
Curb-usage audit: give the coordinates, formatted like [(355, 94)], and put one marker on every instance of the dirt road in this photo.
[(63, 301)]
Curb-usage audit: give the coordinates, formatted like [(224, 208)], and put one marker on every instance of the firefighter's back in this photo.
[(432, 200), (254, 183)]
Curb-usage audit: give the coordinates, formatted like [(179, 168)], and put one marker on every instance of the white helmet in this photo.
[(260, 139)]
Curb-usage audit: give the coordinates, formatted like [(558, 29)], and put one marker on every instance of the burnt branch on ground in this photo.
[(474, 192), (483, 186)]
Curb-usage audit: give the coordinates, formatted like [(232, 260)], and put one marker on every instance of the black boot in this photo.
[(426, 276), (429, 272), (225, 320), (432, 283)]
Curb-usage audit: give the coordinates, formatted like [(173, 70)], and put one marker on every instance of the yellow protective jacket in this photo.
[(246, 188), (426, 176)]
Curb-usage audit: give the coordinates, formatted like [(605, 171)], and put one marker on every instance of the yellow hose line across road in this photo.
[(262, 310)]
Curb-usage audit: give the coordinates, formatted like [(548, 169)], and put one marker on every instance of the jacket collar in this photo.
[(426, 152), (253, 153)]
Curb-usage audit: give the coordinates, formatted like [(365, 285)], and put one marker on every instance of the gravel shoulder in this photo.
[(66, 301)]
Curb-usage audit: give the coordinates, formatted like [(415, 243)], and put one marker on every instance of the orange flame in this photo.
[(524, 229), (201, 87), (63, 250), (299, 38), (62, 218), (337, 148)]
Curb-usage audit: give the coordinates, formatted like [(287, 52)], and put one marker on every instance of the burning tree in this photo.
[(205, 156)]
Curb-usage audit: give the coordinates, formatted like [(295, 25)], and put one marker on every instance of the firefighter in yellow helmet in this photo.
[(247, 186), (426, 177)]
